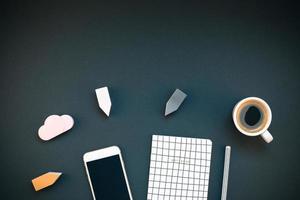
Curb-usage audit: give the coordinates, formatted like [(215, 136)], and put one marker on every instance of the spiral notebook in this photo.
[(179, 168)]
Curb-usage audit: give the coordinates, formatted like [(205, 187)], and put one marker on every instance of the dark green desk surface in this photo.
[(53, 56)]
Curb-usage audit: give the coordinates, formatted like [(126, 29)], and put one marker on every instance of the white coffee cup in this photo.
[(260, 128)]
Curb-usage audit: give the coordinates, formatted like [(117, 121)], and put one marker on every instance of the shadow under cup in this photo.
[(253, 116)]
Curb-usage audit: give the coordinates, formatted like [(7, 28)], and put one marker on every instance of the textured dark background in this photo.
[(54, 54)]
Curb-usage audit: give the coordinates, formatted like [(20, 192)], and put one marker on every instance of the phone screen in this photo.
[(107, 179)]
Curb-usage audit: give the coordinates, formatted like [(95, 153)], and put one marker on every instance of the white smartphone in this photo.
[(106, 174)]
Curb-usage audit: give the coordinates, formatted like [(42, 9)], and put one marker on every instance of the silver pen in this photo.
[(225, 172)]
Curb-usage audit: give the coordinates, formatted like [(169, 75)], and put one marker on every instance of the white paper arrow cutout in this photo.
[(104, 99)]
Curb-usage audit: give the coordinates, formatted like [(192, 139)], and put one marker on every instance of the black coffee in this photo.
[(252, 116)]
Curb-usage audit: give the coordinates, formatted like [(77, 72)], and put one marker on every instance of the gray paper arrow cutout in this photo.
[(175, 101)]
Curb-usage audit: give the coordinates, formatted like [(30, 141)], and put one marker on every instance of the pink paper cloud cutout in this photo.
[(55, 125)]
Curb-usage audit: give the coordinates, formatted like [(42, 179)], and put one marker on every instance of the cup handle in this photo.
[(267, 136)]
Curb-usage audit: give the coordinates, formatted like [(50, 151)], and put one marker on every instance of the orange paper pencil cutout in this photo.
[(45, 180)]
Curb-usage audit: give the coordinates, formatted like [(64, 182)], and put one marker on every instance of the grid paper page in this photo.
[(179, 168)]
